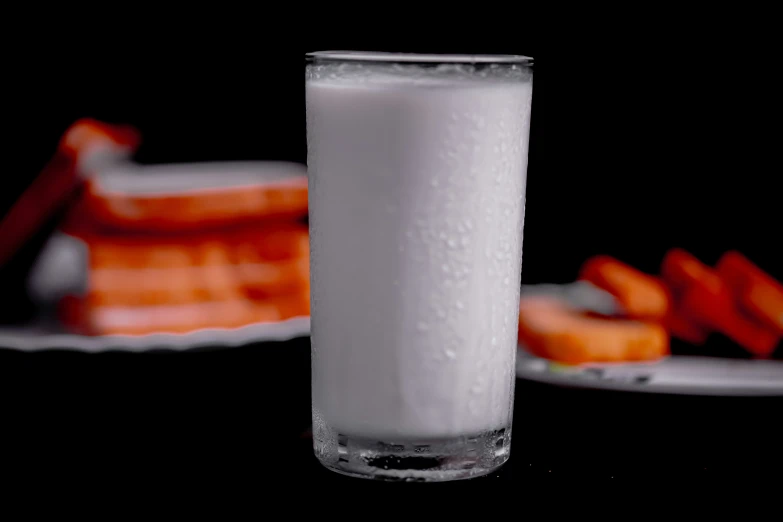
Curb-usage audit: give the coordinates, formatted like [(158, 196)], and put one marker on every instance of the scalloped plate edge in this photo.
[(27, 340)]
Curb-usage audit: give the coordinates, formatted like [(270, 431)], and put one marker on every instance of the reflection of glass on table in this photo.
[(417, 182)]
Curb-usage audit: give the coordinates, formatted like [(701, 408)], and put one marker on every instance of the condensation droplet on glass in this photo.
[(422, 326)]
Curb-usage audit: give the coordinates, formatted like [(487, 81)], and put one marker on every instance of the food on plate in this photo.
[(86, 317), (689, 302), (549, 328), (642, 296), (757, 293), (682, 327), (142, 284), (706, 300), (199, 208), (83, 143), (680, 269), (151, 286), (87, 137), (178, 248), (158, 270)]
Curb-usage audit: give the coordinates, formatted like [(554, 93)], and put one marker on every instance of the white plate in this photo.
[(674, 375), (39, 338)]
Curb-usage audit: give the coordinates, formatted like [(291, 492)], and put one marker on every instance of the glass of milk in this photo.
[(417, 168)]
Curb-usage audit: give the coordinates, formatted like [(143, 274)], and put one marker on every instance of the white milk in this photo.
[(417, 194)]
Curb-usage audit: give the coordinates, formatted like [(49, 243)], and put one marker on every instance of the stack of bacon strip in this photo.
[(688, 301), (183, 261)]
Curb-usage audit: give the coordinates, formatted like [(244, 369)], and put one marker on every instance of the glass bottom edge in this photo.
[(435, 460)]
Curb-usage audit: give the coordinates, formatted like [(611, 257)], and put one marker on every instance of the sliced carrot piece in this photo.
[(641, 295)]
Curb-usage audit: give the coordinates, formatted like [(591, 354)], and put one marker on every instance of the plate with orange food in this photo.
[(171, 256), (692, 329)]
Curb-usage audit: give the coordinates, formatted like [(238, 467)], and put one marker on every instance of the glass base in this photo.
[(413, 461)]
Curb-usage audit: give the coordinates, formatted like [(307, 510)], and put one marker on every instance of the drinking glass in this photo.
[(417, 172)]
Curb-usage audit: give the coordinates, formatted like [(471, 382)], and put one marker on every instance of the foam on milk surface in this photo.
[(416, 205)]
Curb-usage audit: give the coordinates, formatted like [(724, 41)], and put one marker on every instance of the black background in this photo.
[(644, 136)]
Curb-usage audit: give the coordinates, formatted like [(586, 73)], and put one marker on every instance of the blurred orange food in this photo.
[(190, 279), (60, 178), (642, 296), (87, 317), (757, 292), (172, 248), (198, 209), (682, 327), (550, 329), (143, 284), (264, 260), (704, 299)]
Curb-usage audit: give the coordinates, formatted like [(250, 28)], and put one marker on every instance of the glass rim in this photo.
[(419, 58)]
